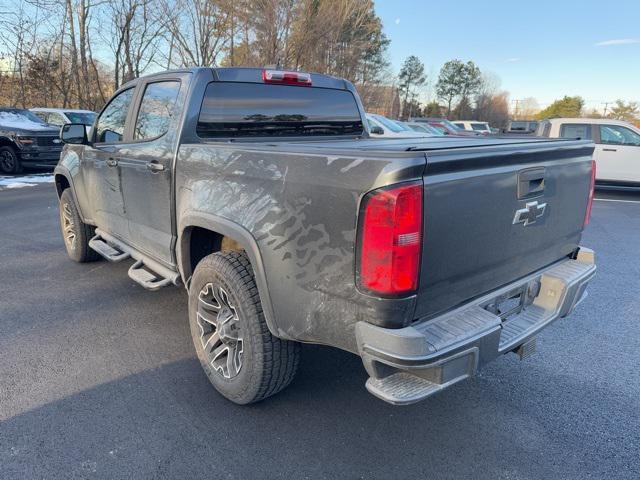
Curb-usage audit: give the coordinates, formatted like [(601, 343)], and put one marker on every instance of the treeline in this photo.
[(75, 53), (463, 91)]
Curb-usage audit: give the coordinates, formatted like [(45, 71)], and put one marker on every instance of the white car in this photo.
[(617, 152), (381, 126), (62, 116), (473, 126)]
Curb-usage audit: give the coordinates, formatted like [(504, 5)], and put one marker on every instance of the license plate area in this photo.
[(514, 301)]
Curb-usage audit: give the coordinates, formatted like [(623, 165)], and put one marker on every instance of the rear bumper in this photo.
[(409, 364)]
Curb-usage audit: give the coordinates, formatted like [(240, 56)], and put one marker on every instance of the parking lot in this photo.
[(99, 380)]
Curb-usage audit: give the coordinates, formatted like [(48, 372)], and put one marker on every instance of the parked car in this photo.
[(62, 116), (424, 128), (473, 126), (617, 152), (26, 141), (444, 126), (381, 126), (262, 192), (523, 127)]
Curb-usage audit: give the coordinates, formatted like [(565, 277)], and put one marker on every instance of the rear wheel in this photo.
[(240, 356), (75, 233), (9, 161)]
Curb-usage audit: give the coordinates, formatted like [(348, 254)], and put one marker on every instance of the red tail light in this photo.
[(592, 187), (286, 78), (391, 234)]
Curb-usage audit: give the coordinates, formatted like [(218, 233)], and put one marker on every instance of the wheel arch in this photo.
[(220, 228)]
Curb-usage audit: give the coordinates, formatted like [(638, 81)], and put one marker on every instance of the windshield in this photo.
[(482, 127), (450, 125), (18, 118), (86, 118), (405, 128), (19, 115), (390, 124)]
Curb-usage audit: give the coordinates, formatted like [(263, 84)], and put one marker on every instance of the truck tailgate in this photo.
[(497, 213)]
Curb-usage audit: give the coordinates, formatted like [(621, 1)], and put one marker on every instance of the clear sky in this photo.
[(538, 48)]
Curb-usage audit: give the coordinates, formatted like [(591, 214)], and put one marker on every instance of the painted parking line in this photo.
[(614, 200)]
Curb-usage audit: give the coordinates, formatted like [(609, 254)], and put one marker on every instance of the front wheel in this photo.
[(9, 161), (240, 356)]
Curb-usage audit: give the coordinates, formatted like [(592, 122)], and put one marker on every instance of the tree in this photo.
[(528, 108), (567, 107), (411, 75), (432, 109), (625, 111), (449, 83)]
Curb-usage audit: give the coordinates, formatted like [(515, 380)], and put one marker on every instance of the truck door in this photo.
[(618, 154), (146, 165), (100, 166)]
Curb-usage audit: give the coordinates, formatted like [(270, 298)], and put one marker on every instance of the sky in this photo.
[(538, 48)]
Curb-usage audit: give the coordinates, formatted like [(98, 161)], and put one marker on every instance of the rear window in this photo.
[(576, 130), (233, 109), (480, 127)]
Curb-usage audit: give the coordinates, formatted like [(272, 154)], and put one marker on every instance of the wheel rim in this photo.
[(220, 332), (7, 160), (68, 226)]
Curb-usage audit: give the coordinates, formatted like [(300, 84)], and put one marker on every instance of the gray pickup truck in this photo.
[(261, 192)]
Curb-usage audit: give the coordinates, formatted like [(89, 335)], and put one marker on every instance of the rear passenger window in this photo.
[(234, 109), (156, 110), (576, 130)]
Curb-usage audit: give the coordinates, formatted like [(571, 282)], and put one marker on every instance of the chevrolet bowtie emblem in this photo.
[(530, 213)]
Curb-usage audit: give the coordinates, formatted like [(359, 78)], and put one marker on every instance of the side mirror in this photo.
[(376, 130), (74, 133)]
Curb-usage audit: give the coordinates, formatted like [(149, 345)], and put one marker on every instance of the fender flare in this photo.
[(59, 170), (241, 235)]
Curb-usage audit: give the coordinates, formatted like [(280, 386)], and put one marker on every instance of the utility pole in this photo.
[(606, 104), (515, 114)]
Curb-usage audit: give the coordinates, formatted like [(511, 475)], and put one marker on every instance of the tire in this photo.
[(240, 356), (9, 161), (75, 233)]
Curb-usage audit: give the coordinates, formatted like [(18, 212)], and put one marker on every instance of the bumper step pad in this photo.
[(409, 364)]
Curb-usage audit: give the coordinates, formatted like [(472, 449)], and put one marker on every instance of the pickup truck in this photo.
[(262, 193), (27, 141)]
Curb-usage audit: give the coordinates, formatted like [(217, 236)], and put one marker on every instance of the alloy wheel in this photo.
[(220, 332), (68, 226)]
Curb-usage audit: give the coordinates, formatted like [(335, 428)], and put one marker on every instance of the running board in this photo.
[(142, 275), (107, 251), (146, 271)]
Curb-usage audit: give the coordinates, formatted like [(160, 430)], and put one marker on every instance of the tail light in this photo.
[(592, 187), (286, 78), (390, 240)]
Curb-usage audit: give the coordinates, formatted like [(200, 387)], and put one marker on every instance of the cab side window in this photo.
[(576, 130), (156, 110), (110, 126), (618, 135)]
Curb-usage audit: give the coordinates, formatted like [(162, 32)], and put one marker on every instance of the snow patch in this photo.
[(16, 120), (24, 181)]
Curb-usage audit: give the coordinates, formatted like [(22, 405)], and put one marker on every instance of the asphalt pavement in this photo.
[(98, 379)]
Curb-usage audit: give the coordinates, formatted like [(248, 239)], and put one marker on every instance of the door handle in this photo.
[(154, 166), (112, 162), (609, 150)]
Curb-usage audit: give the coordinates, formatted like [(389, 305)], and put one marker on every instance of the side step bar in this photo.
[(146, 272), (107, 251)]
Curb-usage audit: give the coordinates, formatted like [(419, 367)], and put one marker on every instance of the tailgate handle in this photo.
[(531, 182)]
